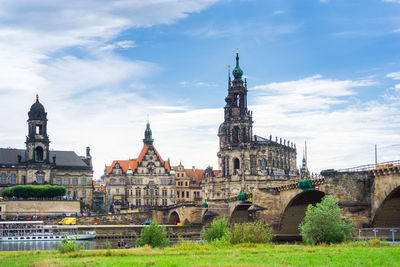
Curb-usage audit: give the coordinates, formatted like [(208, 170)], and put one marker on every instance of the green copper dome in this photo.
[(237, 71), (148, 140)]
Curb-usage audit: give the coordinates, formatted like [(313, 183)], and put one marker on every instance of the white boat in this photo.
[(23, 231)]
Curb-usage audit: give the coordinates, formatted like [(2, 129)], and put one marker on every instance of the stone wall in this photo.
[(40, 208)]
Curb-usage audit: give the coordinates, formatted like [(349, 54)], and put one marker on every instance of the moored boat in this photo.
[(17, 231)]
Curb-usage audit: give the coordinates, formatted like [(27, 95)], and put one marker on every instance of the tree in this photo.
[(219, 230), (251, 232), (153, 235), (27, 191), (323, 223)]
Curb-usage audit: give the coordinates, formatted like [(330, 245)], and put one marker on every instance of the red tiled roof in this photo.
[(133, 163), (195, 173)]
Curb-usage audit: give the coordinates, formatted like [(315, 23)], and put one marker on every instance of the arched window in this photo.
[(3, 178), (39, 153), (13, 179), (236, 164)]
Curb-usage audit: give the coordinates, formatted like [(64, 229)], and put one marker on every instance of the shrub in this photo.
[(323, 223), (69, 245), (27, 191), (219, 231), (251, 232), (153, 235)]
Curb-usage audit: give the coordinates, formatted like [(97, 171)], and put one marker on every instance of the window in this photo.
[(138, 202), (177, 194), (75, 181), (164, 192), (83, 181), (83, 193), (147, 192), (23, 180), (75, 194), (13, 179), (108, 191), (236, 164), (117, 190), (38, 129), (187, 194), (121, 182), (39, 154), (66, 181), (59, 180), (68, 193), (40, 179), (138, 192), (112, 181), (164, 202), (185, 183)]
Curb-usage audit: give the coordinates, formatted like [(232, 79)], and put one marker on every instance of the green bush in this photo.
[(69, 245), (218, 232), (27, 191), (153, 235), (323, 223), (251, 232)]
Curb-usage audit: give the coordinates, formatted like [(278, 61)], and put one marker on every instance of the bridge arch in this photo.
[(240, 213), (295, 211), (174, 218), (388, 214)]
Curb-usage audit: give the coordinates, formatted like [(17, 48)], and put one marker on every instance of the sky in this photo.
[(325, 71)]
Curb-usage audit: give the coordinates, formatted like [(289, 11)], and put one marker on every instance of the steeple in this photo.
[(148, 140), (37, 141), (237, 71)]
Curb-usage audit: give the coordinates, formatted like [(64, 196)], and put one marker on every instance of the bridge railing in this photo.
[(389, 234), (370, 167)]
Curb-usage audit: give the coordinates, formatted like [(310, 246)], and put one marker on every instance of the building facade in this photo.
[(143, 182), (188, 184), (37, 164), (246, 160)]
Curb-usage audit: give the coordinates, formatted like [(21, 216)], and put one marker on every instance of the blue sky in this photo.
[(325, 71)]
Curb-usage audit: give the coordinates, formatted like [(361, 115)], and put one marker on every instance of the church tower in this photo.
[(37, 141), (235, 132)]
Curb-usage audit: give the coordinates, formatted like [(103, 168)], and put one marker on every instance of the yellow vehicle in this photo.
[(67, 221)]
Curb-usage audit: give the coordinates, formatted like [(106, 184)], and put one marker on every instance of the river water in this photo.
[(52, 245)]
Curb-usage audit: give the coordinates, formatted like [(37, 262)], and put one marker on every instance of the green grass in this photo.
[(193, 254)]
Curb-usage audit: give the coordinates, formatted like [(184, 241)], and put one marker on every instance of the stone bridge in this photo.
[(370, 195)]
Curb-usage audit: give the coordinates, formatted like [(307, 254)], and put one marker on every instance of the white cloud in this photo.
[(197, 84), (338, 136), (394, 75), (95, 98), (119, 45), (278, 12), (392, 1), (243, 29), (396, 30)]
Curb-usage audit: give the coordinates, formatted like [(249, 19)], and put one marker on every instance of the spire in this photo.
[(37, 97), (237, 71), (229, 75), (148, 140)]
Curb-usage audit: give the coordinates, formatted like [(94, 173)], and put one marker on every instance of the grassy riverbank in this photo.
[(189, 254)]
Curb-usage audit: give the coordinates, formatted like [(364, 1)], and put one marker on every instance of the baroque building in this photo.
[(144, 182), (188, 184), (37, 164), (246, 160)]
